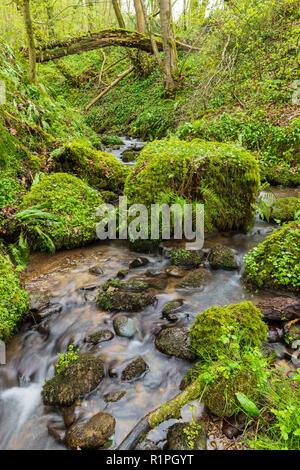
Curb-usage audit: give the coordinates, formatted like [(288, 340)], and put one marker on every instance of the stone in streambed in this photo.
[(92, 434), (74, 381), (291, 332), (134, 369), (99, 337), (138, 262), (188, 259), (195, 279), (38, 300), (125, 326), (114, 396), (180, 435), (147, 444), (46, 312), (114, 300), (222, 257), (175, 342), (56, 432), (122, 273), (175, 271), (171, 309), (96, 270)]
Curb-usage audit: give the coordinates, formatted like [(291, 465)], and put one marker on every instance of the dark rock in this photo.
[(69, 415), (291, 332), (122, 273), (74, 381), (280, 308), (99, 337), (158, 284), (171, 308), (195, 279), (115, 396), (96, 270), (92, 434), (144, 246), (147, 444), (180, 436), (186, 258), (175, 342), (134, 369), (125, 326), (38, 300), (89, 287), (222, 257), (138, 262), (129, 155), (56, 432), (274, 334), (234, 426), (46, 312), (114, 300), (175, 271), (156, 273)]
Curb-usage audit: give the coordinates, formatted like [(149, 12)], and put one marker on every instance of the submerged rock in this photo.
[(74, 381), (134, 369), (38, 300), (195, 279), (175, 342), (96, 270), (175, 271), (46, 312), (122, 273), (187, 436), (99, 337), (124, 301), (56, 432), (222, 257), (186, 258), (171, 308), (114, 396), (125, 326), (138, 262), (280, 308), (92, 434)]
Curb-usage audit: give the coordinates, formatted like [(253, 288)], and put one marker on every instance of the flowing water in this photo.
[(65, 276)]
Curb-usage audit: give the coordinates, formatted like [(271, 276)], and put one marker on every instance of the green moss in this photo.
[(285, 209), (111, 140), (72, 202), (222, 257), (186, 258), (275, 263), (100, 170), (210, 327), (14, 302), (123, 301), (198, 171)]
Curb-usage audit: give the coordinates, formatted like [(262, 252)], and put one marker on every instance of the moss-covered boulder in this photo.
[(285, 209), (220, 395), (73, 205), (291, 332), (175, 342), (14, 301), (92, 434), (275, 263), (195, 279), (210, 326), (114, 300), (101, 170), (99, 337), (187, 436), (134, 369), (222, 257), (132, 285), (186, 258), (199, 171), (171, 309), (75, 380)]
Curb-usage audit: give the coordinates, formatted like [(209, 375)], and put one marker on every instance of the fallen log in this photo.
[(115, 82), (109, 37), (169, 410)]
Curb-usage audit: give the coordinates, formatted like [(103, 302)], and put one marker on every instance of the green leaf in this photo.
[(247, 405)]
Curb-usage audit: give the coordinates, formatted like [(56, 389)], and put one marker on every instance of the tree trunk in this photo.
[(169, 45), (30, 39), (140, 22)]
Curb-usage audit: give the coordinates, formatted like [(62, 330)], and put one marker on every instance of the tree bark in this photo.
[(25, 6), (169, 45), (140, 22)]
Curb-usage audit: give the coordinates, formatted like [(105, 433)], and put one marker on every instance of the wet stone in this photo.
[(99, 337), (92, 434), (178, 439), (175, 271), (147, 444), (56, 432), (222, 257), (134, 369), (138, 262), (171, 309), (96, 270), (115, 396), (122, 273), (125, 326), (175, 342), (46, 312), (195, 279), (38, 300)]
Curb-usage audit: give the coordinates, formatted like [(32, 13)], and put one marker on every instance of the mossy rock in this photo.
[(75, 380), (143, 246), (111, 140), (130, 156), (134, 369), (275, 263), (124, 301), (222, 257), (187, 436), (72, 202), (285, 209), (92, 434), (14, 300), (291, 332), (209, 327), (175, 342), (99, 337), (198, 171), (100, 170), (171, 309), (186, 258), (219, 396), (132, 285), (195, 279)]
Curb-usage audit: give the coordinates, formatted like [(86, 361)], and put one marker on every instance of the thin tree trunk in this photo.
[(152, 39), (169, 45), (140, 22), (25, 5)]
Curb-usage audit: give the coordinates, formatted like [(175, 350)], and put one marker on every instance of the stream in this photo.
[(65, 275)]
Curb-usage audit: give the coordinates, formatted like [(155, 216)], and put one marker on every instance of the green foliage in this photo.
[(66, 358), (8, 189), (248, 406), (285, 209), (14, 302), (21, 252), (100, 170), (217, 327), (274, 263), (68, 218), (198, 171), (110, 140)]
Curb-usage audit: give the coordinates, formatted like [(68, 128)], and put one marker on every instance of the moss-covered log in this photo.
[(105, 38), (169, 410)]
